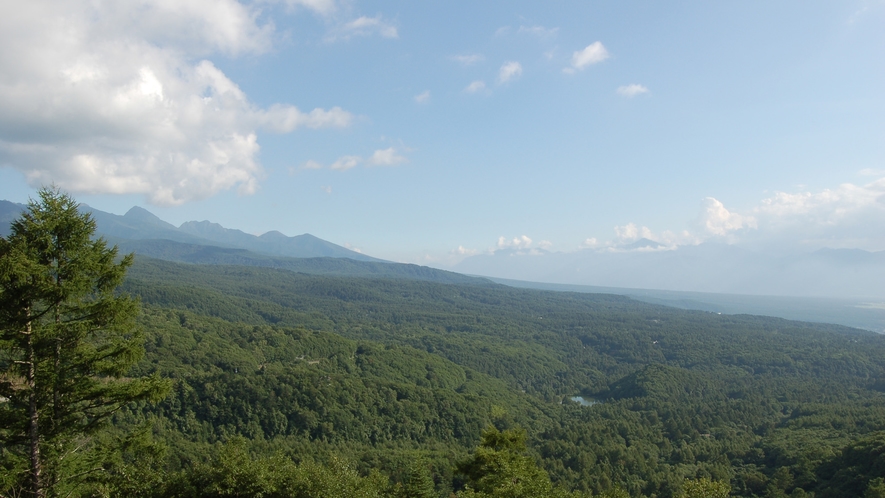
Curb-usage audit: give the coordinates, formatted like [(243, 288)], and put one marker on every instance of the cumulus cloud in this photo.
[(591, 54), (716, 220), (476, 86), (133, 108), (522, 242), (363, 26), (589, 243), (463, 251), (825, 207), (468, 59), (508, 71), (846, 216), (632, 90), (520, 246), (386, 157), (629, 234)]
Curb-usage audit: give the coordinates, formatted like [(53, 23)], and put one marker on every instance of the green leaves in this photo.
[(66, 342), (500, 468)]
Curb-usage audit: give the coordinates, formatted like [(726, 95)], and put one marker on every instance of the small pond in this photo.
[(584, 401)]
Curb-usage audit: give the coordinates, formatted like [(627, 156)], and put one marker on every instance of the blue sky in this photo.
[(429, 131)]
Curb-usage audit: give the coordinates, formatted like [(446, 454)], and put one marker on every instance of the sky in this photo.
[(426, 132)]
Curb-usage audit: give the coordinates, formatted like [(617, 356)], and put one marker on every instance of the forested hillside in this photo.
[(382, 373)]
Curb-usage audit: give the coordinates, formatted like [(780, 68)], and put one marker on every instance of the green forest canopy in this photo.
[(376, 371), (336, 379)]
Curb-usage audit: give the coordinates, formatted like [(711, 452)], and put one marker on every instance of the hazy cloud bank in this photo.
[(847, 216)]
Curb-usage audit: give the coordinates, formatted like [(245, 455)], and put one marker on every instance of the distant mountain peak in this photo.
[(643, 243), (272, 242), (8, 212), (273, 235), (201, 227), (140, 224), (141, 214)]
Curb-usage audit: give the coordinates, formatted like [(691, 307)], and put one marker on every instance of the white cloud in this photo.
[(285, 118), (632, 90), (476, 86), (381, 157), (667, 240), (522, 242), (825, 207), (591, 54), (422, 97), (386, 157), (589, 243), (463, 251), (311, 164), (327, 189), (630, 233), (539, 31), (363, 26), (521, 246), (846, 216), (716, 220), (345, 163), (503, 30), (508, 71), (468, 59), (133, 108)]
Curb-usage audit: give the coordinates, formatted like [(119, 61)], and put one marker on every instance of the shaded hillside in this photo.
[(212, 255), (139, 224), (299, 246)]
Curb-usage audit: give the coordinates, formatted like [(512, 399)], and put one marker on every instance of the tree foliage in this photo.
[(66, 342)]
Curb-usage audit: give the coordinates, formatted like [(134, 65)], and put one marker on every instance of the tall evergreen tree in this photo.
[(67, 340), (419, 483)]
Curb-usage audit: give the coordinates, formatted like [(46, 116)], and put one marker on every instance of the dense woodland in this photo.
[(379, 373), (293, 384)]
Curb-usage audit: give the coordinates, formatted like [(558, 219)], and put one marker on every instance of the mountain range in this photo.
[(841, 286), (139, 224), (204, 242)]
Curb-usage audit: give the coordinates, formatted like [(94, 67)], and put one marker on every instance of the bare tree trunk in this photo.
[(34, 416)]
